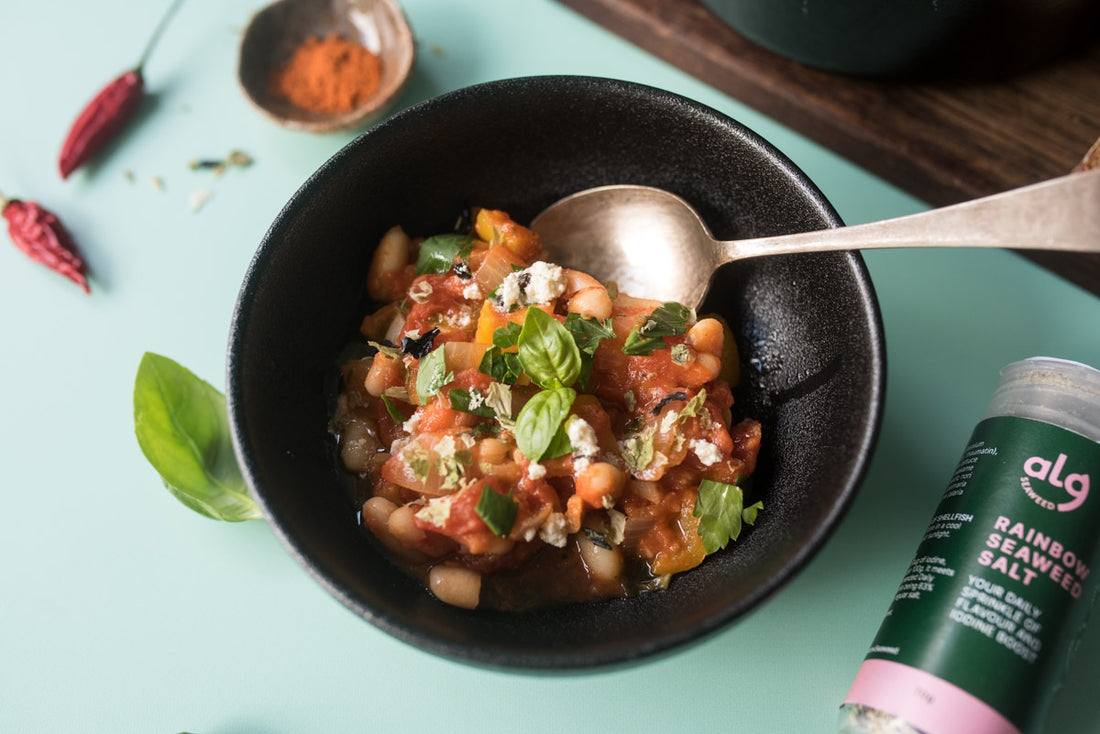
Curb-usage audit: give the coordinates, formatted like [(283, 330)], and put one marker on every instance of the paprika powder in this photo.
[(328, 74)]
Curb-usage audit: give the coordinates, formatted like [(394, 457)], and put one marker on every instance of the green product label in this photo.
[(1002, 563)]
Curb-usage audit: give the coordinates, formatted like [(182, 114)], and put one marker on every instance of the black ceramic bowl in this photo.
[(807, 326)]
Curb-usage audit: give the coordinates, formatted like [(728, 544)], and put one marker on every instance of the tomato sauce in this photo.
[(526, 440)]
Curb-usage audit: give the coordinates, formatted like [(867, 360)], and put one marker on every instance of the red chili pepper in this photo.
[(39, 233), (109, 111), (104, 117)]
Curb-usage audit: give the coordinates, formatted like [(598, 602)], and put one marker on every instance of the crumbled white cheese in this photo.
[(437, 511), (412, 334), (582, 436), (459, 319), (445, 446), (477, 398), (509, 293), (669, 420), (707, 452), (411, 424), (420, 291), (555, 530), (536, 470), (472, 292), (540, 283)]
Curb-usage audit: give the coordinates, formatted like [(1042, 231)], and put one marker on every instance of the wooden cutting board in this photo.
[(944, 142)]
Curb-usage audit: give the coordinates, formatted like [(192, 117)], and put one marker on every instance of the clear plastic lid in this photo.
[(1056, 391)]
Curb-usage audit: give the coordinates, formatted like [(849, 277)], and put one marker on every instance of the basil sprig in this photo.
[(437, 254), (668, 319), (547, 351), (182, 428), (719, 507), (541, 420)]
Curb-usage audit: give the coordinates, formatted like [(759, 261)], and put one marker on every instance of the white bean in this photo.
[(390, 258), (359, 444), (376, 514), (402, 527), (384, 372), (604, 564), (455, 585)]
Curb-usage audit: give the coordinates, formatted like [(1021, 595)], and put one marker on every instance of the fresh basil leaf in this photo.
[(507, 335), (395, 413), (540, 420), (470, 402), (496, 510), (547, 351), (500, 365), (560, 445), (432, 374), (668, 319), (437, 254), (182, 428), (587, 332), (719, 509), (750, 512)]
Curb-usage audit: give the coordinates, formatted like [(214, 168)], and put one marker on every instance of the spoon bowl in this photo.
[(276, 31), (648, 240)]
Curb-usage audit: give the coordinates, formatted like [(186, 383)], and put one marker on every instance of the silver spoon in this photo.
[(654, 245)]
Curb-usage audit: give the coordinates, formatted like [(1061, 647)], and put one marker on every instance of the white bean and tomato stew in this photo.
[(523, 435)]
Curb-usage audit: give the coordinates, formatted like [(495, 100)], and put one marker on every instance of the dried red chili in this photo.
[(39, 233), (110, 110)]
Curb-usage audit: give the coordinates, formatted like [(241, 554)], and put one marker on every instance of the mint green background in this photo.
[(121, 611)]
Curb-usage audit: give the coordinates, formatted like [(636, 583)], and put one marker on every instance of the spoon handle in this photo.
[(1059, 214)]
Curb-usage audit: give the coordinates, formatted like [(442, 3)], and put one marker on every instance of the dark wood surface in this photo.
[(944, 142)]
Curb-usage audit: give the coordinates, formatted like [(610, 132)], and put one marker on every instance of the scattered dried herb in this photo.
[(219, 166)]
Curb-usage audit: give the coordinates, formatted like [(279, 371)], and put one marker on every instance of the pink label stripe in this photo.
[(932, 705)]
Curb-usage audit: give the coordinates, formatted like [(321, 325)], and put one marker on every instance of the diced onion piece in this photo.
[(463, 355), (495, 267)]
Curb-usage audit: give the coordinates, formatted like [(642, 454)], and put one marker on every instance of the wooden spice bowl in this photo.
[(275, 32)]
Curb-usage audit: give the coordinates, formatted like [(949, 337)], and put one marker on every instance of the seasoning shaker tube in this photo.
[(979, 627)]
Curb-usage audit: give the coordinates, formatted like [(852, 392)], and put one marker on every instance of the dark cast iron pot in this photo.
[(915, 38)]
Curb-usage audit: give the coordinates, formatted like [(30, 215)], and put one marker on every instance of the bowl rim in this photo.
[(564, 661)]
